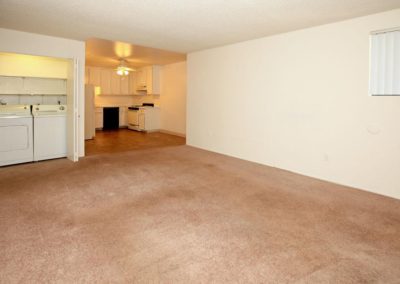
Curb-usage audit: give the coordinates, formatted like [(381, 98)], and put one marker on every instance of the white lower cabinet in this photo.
[(99, 117), (123, 117), (149, 119)]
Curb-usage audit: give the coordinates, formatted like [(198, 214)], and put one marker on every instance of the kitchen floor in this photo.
[(121, 140)]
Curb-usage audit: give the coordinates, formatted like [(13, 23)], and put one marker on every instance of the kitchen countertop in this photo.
[(103, 106)]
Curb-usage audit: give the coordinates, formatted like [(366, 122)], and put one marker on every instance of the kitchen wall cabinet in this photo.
[(124, 84), (109, 82), (105, 81), (153, 80), (132, 83), (141, 79), (115, 84), (148, 80), (145, 80)]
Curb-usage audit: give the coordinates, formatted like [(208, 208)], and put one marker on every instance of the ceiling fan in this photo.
[(123, 69)]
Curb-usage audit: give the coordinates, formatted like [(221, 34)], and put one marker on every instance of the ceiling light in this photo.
[(122, 69)]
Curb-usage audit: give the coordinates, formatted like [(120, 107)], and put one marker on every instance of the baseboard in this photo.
[(172, 133)]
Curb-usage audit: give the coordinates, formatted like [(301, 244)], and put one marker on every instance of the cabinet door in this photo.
[(44, 86), (149, 79), (132, 83), (12, 85), (143, 76), (141, 80), (99, 119), (124, 85), (153, 80), (94, 76), (105, 81), (122, 116), (115, 83)]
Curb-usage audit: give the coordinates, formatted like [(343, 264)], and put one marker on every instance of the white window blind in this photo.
[(385, 64)]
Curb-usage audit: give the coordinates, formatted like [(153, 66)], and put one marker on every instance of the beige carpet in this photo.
[(183, 215)]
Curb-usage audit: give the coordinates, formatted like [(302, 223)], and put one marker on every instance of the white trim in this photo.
[(172, 133), (385, 31)]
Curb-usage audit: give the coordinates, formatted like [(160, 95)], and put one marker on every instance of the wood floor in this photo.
[(121, 140)]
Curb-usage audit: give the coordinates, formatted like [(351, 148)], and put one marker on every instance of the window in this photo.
[(385, 63)]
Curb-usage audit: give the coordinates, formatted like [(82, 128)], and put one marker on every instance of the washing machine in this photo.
[(16, 134), (50, 131)]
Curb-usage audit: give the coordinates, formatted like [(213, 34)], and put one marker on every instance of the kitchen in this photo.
[(135, 94), (132, 98)]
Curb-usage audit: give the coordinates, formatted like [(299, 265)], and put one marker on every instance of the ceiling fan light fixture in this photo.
[(122, 69)]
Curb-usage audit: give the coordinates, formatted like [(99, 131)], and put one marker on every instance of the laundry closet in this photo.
[(33, 108)]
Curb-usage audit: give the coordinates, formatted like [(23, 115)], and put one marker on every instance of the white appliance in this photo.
[(90, 128), (133, 119), (16, 134), (50, 131)]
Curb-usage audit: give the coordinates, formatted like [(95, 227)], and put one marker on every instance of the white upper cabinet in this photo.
[(115, 83), (132, 83), (141, 79), (11, 85), (105, 81), (148, 80), (32, 86), (153, 80), (125, 84), (44, 86), (144, 80)]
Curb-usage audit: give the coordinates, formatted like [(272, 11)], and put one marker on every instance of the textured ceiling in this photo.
[(179, 25)]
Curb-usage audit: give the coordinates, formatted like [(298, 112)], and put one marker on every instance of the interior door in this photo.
[(72, 110)]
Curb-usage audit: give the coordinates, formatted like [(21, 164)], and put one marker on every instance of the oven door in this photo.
[(133, 119)]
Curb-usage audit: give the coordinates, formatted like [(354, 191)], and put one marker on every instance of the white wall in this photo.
[(113, 100), (12, 64), (299, 101), (173, 98), (140, 99), (35, 44)]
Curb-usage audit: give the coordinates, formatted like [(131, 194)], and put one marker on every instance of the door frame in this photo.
[(72, 110)]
